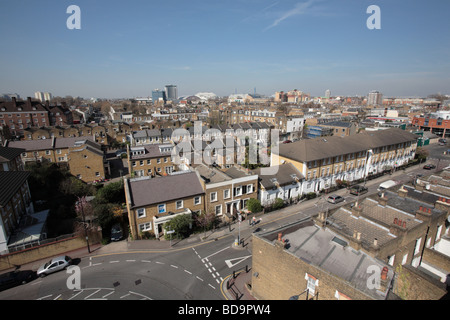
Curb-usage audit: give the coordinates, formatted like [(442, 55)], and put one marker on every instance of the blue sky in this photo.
[(128, 48)]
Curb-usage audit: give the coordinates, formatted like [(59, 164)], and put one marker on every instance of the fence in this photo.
[(36, 243)]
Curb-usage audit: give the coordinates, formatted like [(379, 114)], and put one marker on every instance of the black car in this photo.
[(429, 166), (15, 278), (116, 232), (357, 190)]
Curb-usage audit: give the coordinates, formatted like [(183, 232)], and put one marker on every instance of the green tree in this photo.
[(254, 205), (181, 225), (278, 204)]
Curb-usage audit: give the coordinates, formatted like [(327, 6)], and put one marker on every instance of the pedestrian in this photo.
[(254, 221)]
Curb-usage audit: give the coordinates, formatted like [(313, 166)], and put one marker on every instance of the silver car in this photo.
[(56, 264)]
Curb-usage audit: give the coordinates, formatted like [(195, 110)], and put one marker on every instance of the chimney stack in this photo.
[(402, 192), (14, 102), (383, 200), (398, 227)]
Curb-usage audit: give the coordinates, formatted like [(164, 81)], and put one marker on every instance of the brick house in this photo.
[(19, 115), (83, 157), (87, 162), (150, 160), (153, 201), (226, 194)]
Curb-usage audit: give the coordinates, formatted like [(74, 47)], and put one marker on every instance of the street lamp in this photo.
[(79, 207)]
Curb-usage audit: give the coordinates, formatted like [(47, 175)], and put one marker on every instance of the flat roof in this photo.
[(329, 252)]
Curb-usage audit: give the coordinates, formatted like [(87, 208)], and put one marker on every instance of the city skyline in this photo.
[(128, 49)]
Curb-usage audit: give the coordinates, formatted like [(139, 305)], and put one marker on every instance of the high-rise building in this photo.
[(43, 96), (327, 93), (374, 98), (171, 92), (39, 95), (47, 96), (158, 95)]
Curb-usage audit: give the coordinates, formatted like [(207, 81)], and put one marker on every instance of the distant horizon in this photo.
[(24, 97), (127, 49)]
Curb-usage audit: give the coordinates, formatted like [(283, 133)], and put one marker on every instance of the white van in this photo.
[(386, 185)]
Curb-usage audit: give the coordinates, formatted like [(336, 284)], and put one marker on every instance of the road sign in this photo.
[(170, 231)]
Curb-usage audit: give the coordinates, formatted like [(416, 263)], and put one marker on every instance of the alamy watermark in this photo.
[(249, 147)]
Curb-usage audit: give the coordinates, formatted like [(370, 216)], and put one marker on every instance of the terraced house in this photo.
[(150, 160), (323, 161)]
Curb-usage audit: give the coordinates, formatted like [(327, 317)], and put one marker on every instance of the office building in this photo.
[(158, 95), (171, 92), (374, 98)]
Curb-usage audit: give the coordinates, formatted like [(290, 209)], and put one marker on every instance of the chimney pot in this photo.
[(279, 236), (384, 273), (375, 242), (404, 224), (395, 221), (421, 208)]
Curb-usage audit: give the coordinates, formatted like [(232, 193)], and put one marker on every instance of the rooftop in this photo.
[(321, 148), (147, 191), (327, 251)]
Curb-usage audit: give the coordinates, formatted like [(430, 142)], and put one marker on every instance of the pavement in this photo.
[(234, 287)]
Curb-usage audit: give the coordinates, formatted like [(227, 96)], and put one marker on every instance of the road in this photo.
[(191, 269)]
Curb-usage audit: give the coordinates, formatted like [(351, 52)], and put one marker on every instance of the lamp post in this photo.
[(79, 207)]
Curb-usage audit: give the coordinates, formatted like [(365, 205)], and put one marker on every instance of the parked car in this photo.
[(15, 278), (386, 185), (357, 190), (54, 265), (116, 232), (335, 199), (119, 153), (429, 166)]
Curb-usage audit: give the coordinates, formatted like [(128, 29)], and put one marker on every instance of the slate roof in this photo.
[(284, 174), (326, 147), (146, 191)]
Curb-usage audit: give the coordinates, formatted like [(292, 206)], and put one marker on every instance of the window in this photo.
[(141, 213), (162, 208), (311, 284), (145, 227), (141, 162), (213, 196), (149, 161), (417, 246), (226, 193), (219, 210), (238, 191), (249, 188), (97, 174), (197, 200), (405, 258), (158, 160), (179, 204)]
